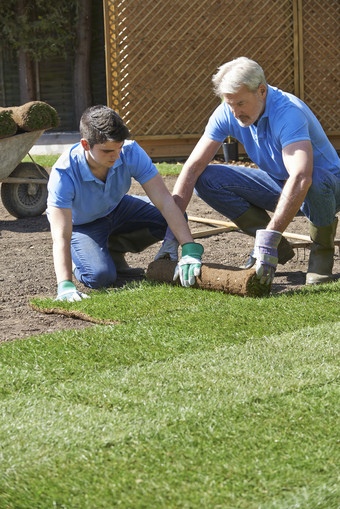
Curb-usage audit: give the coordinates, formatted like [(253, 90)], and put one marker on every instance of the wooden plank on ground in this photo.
[(305, 240), (212, 231)]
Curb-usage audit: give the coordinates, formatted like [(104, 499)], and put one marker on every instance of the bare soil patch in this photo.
[(27, 266)]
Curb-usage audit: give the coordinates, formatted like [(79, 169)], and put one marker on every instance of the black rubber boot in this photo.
[(321, 258), (132, 242), (255, 219)]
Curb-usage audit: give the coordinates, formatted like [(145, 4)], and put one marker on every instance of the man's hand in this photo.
[(265, 252), (169, 247), (67, 291), (189, 265)]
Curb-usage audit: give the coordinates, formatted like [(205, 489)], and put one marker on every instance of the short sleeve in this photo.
[(292, 127), (60, 189), (218, 126), (141, 167)]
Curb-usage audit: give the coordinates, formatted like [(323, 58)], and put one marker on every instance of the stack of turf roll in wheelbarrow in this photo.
[(24, 185), (32, 116)]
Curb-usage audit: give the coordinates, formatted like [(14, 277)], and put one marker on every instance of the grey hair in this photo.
[(241, 71)]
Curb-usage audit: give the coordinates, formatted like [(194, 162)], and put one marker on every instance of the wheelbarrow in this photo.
[(24, 185)]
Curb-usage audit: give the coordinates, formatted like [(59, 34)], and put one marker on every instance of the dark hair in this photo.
[(99, 124)]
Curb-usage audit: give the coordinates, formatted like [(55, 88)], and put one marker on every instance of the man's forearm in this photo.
[(177, 223), (62, 261), (198, 160), (291, 199), (298, 160), (184, 188)]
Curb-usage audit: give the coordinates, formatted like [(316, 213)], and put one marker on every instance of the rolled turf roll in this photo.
[(35, 116), (7, 125), (213, 277)]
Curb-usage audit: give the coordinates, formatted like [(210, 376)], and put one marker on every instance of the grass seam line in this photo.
[(77, 315)]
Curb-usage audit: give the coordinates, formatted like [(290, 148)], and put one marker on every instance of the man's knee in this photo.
[(319, 205), (101, 278), (203, 183)]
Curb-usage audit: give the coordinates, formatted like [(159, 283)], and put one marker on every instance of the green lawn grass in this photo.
[(195, 399), (44, 160), (48, 161)]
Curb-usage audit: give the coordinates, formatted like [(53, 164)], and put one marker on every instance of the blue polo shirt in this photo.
[(286, 120), (72, 185)]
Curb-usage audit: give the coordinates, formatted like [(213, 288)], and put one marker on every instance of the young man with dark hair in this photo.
[(93, 219)]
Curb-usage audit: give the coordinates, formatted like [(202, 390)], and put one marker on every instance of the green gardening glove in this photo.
[(68, 291), (189, 266)]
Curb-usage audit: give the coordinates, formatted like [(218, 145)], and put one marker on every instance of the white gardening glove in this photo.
[(189, 266), (169, 247), (67, 291), (266, 244)]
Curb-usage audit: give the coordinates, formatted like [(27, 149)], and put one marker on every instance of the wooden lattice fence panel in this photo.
[(161, 55), (321, 60)]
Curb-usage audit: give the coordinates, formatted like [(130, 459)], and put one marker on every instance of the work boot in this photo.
[(122, 266), (132, 242), (255, 219), (321, 258)]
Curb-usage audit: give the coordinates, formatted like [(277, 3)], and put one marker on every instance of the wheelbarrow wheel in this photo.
[(25, 200)]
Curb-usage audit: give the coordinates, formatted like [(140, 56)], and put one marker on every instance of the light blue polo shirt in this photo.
[(72, 185), (286, 120)]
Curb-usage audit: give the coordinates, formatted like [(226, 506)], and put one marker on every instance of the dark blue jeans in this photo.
[(232, 189), (94, 265)]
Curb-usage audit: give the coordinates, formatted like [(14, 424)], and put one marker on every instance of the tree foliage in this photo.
[(41, 28)]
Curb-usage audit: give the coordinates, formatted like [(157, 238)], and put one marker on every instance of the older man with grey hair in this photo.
[(298, 171)]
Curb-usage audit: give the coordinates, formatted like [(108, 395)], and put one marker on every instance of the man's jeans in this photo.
[(232, 189), (94, 265)]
